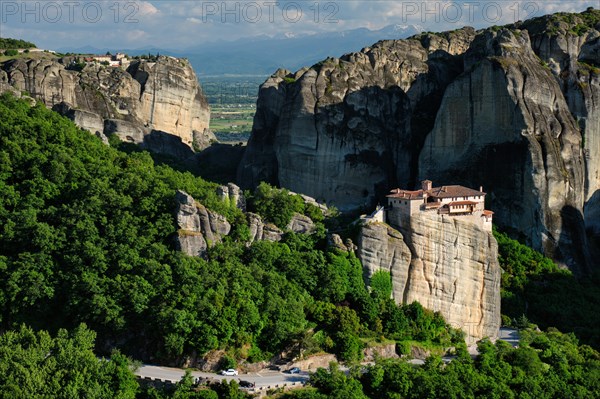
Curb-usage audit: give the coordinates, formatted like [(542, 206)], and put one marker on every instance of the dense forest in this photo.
[(535, 290), (88, 267), (546, 365), (10, 44)]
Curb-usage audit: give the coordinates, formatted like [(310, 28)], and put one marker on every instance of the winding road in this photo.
[(266, 379), (270, 379)]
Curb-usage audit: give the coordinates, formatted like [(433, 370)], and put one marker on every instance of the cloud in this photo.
[(146, 8), (175, 23)]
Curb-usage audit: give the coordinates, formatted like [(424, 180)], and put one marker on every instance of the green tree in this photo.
[(276, 205), (381, 284), (33, 364)]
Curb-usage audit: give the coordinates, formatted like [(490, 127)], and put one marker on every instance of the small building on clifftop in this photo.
[(454, 201)]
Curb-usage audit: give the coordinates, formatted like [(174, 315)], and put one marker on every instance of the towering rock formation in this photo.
[(446, 264), (341, 130), (159, 104), (513, 108), (505, 122)]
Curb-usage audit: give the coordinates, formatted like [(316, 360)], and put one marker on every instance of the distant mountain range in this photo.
[(262, 55)]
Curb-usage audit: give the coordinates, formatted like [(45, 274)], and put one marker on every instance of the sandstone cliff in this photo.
[(341, 130), (513, 108), (141, 104), (446, 264)]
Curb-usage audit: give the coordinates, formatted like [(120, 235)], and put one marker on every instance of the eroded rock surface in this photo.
[(259, 230), (301, 224), (446, 264), (233, 194), (162, 96), (198, 227)]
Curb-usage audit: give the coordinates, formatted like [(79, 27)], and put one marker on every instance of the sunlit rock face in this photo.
[(159, 98), (446, 264)]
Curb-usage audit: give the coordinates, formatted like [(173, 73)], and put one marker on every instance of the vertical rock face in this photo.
[(380, 247), (162, 96), (198, 227), (448, 265), (171, 99), (506, 103), (341, 130), (514, 109), (260, 231)]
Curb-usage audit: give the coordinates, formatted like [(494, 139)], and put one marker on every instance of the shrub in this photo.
[(381, 284), (276, 205)]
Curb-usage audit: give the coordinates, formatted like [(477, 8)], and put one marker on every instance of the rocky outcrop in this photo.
[(171, 99), (570, 47), (446, 264), (381, 247), (84, 119), (514, 109), (232, 194), (126, 131), (335, 241), (341, 130), (198, 227), (515, 106), (301, 224), (162, 96), (260, 230)]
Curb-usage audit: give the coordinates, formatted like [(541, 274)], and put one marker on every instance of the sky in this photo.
[(177, 25)]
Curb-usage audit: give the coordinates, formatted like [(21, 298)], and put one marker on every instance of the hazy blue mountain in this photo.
[(262, 55)]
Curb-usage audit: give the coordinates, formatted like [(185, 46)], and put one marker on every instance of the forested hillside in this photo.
[(546, 365), (87, 236)]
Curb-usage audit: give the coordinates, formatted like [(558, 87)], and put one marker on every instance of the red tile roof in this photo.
[(457, 203), (436, 192), (487, 213)]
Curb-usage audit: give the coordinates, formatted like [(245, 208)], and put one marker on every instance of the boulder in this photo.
[(198, 227)]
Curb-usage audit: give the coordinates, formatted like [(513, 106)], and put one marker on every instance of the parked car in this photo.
[(229, 372), (274, 367), (294, 370), (247, 384)]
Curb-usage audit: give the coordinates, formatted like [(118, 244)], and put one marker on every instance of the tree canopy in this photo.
[(8, 43), (86, 235)]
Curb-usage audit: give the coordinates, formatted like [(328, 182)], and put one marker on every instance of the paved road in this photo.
[(509, 335), (273, 378), (263, 379)]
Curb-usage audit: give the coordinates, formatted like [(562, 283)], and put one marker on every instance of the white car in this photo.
[(229, 372)]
